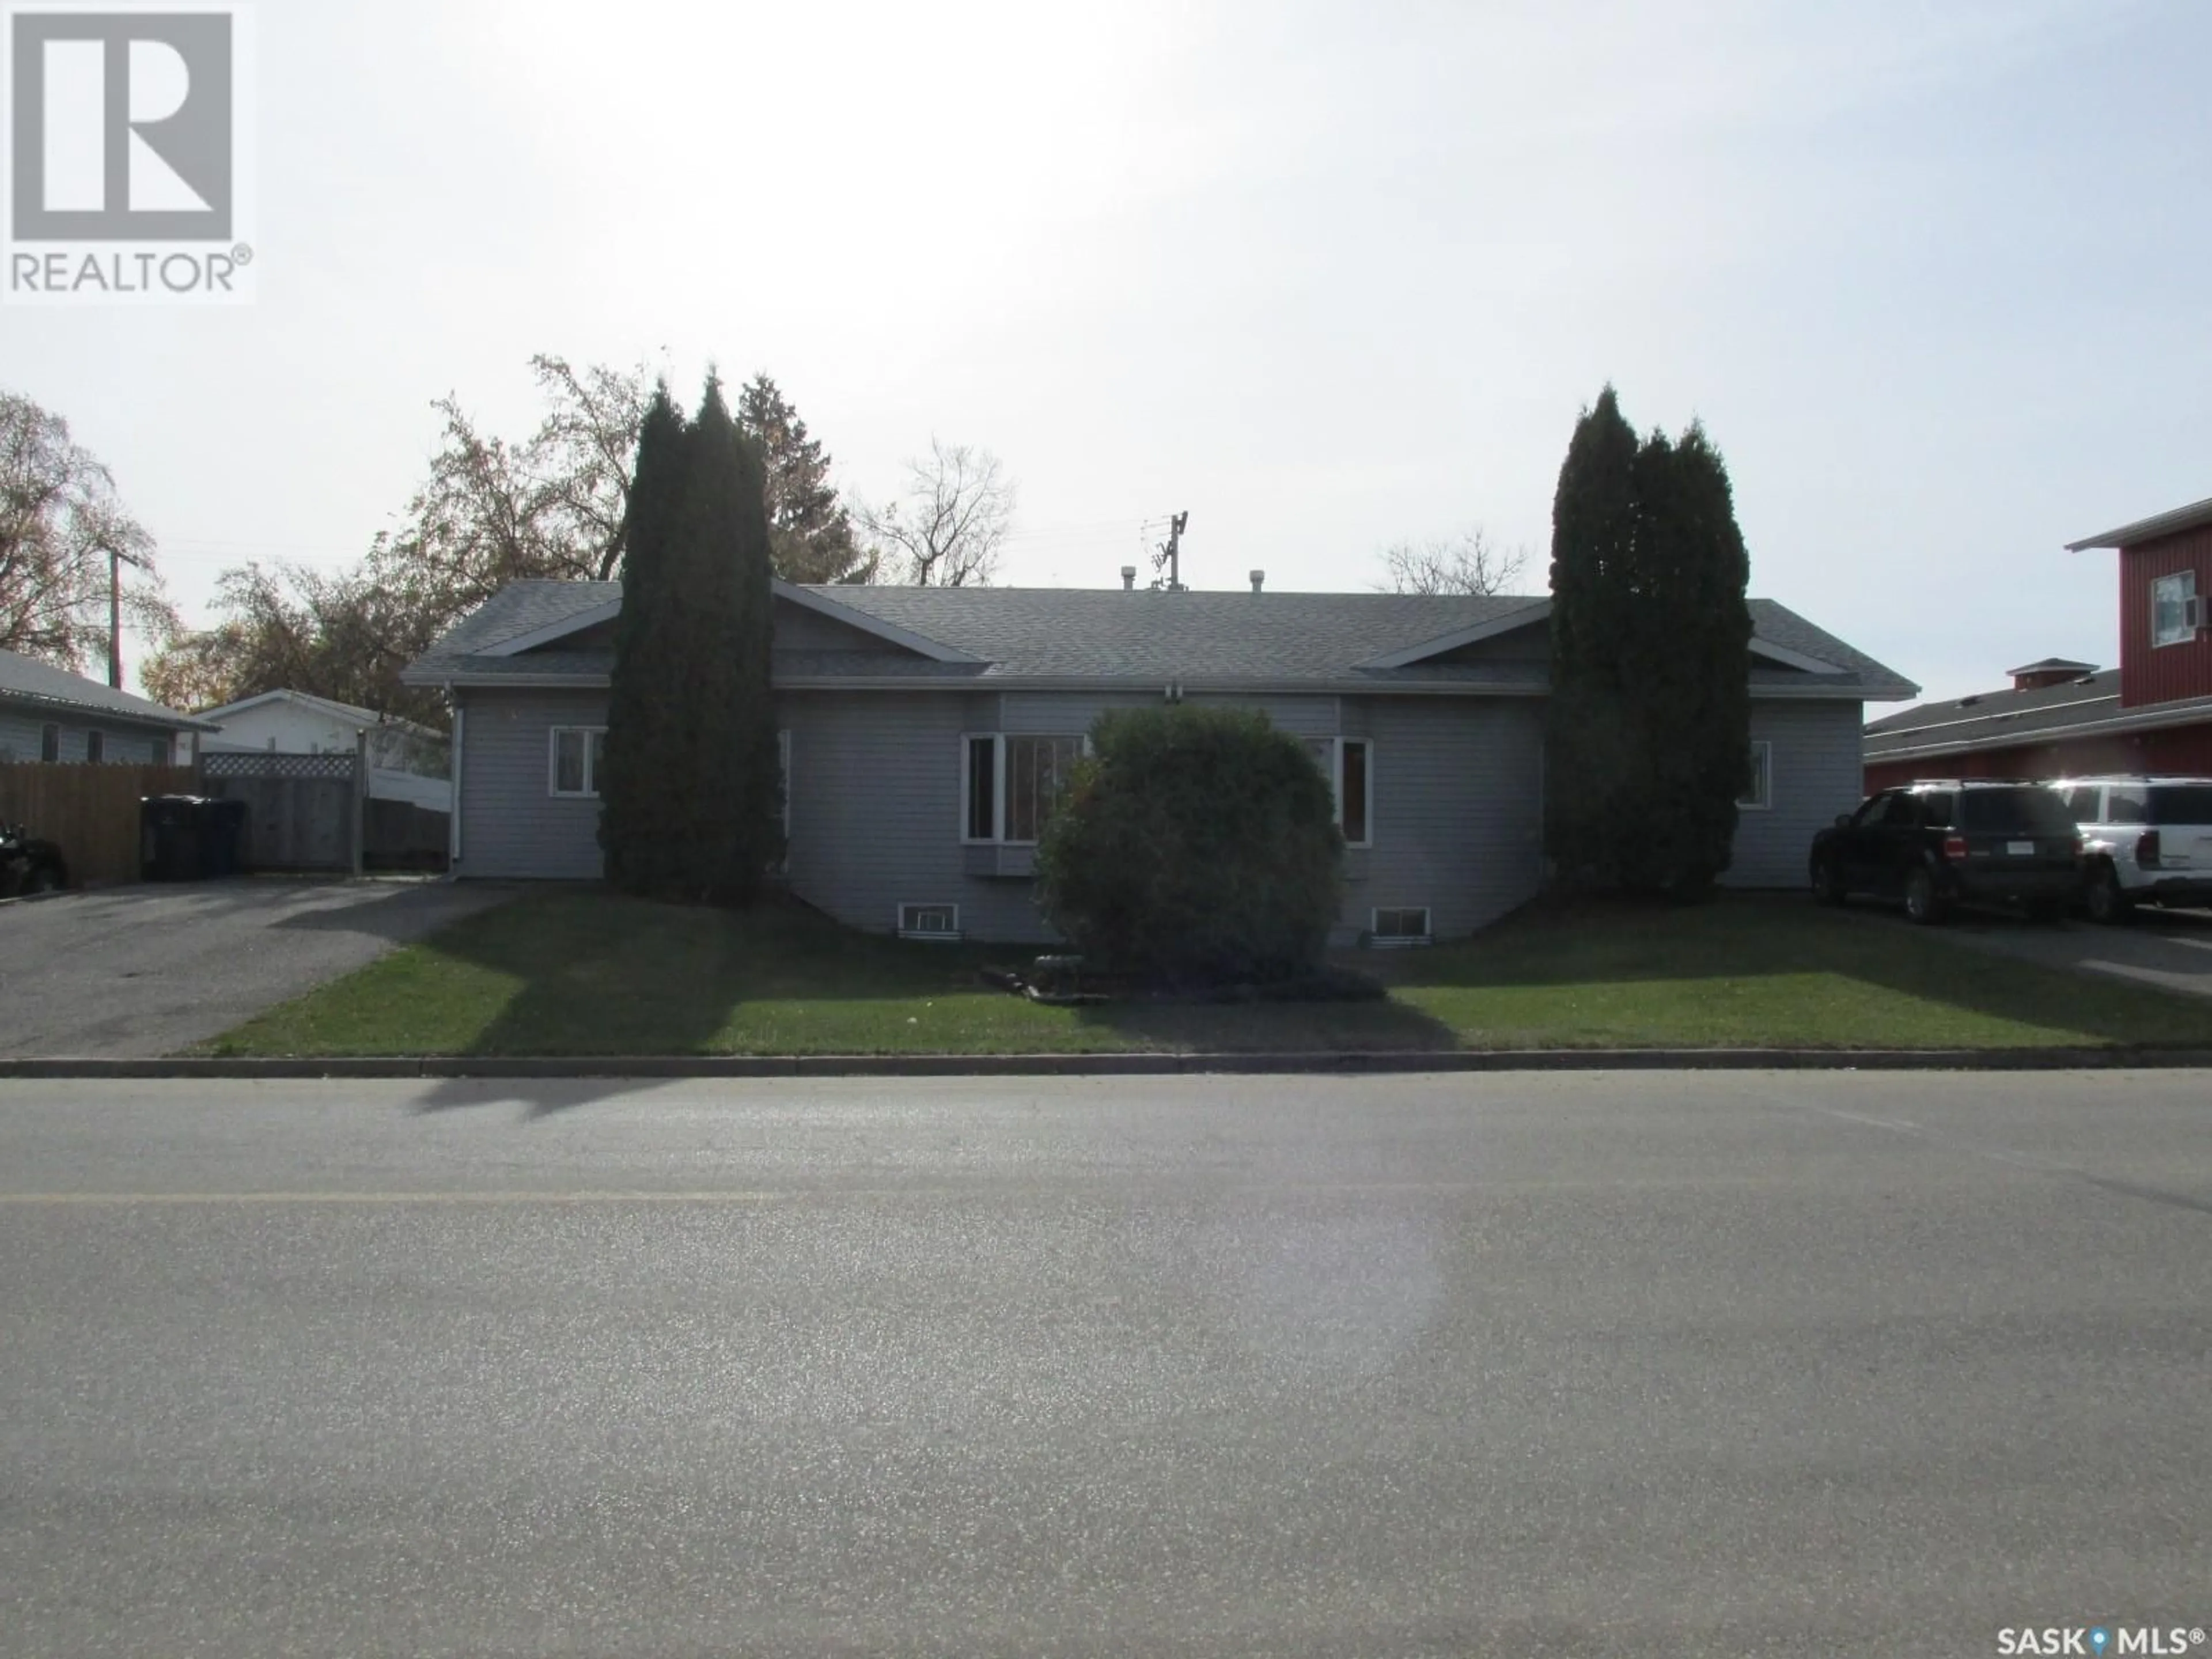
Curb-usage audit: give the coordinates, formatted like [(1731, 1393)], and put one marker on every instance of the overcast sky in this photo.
[(1934, 276)]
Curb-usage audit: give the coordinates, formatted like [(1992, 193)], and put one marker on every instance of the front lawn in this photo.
[(582, 972)]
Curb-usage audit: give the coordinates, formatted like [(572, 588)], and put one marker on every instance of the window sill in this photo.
[(1003, 860)]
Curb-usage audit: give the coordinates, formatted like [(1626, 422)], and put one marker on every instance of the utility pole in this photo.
[(1170, 555), (115, 619)]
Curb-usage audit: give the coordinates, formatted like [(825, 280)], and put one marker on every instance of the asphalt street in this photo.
[(144, 971), (1728, 1363)]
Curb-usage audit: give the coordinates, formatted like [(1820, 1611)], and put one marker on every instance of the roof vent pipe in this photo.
[(1128, 578), (1258, 579)]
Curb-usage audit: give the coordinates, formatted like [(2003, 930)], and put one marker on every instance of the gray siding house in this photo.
[(48, 714), (923, 730)]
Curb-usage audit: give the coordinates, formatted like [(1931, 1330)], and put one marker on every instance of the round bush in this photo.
[(1195, 846)]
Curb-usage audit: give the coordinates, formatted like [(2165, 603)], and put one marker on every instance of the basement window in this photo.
[(1396, 929), (929, 921)]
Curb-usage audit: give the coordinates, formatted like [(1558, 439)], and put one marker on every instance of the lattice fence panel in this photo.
[(259, 764)]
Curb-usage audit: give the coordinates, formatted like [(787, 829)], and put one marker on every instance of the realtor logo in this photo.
[(123, 128)]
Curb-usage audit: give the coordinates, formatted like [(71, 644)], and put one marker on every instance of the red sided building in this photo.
[(2062, 719)]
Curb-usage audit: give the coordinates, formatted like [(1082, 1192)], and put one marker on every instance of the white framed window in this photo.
[(1348, 763), (979, 788), (1758, 794), (1009, 782), (95, 747), (49, 742), (572, 754), (929, 921), (1397, 926), (2175, 614)]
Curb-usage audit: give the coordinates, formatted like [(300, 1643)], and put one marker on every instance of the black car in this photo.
[(29, 865), (1941, 842)]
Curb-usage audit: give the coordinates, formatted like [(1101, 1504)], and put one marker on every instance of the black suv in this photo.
[(1939, 842)]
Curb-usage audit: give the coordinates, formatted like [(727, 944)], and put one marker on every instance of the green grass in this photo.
[(584, 972), (1768, 971)]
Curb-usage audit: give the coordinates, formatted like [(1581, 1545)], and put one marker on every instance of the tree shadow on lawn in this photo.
[(400, 909), (603, 975), (1763, 940), (586, 973)]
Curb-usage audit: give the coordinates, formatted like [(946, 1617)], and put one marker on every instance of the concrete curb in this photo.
[(1126, 1065)]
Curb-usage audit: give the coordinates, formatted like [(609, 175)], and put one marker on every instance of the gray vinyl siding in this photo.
[(126, 744), (1045, 712), (875, 811), (798, 629), (511, 825), (1531, 643), (1817, 771), (876, 807), (1458, 809), (876, 803)]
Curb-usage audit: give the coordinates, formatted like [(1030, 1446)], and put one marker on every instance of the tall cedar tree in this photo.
[(1590, 759), (810, 532), (692, 807), (1649, 738), (1709, 746), (642, 769)]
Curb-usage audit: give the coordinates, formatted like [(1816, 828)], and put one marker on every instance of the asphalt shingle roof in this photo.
[(1080, 633), (1085, 633), (2007, 718), (24, 680)]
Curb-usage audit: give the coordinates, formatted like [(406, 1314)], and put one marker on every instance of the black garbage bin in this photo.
[(168, 837), (221, 835)]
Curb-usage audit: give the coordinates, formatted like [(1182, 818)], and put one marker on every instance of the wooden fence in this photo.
[(302, 811), (90, 812)]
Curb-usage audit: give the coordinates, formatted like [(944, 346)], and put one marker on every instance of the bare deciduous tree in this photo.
[(1466, 563), (947, 529), (554, 505), (60, 520), (338, 635)]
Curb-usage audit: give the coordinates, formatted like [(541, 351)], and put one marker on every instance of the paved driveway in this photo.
[(147, 970), (2170, 949)]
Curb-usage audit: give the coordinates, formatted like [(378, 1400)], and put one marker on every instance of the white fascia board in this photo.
[(1154, 686), (2173, 523), (922, 645), (97, 714), (1535, 611), (336, 710), (910, 686), (224, 711)]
